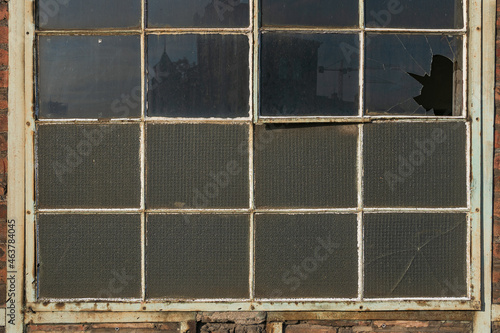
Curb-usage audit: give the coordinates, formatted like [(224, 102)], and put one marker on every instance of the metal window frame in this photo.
[(21, 184)]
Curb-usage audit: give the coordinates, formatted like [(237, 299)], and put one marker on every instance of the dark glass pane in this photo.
[(308, 75), (198, 76), (414, 75), (415, 165), (422, 14), (88, 166), (319, 13), (88, 14), (415, 255), (197, 256), (306, 256), (89, 77), (198, 13), (89, 256), (197, 166), (305, 166)]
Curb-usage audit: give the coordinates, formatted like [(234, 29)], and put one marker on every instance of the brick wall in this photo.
[(3, 143), (496, 231)]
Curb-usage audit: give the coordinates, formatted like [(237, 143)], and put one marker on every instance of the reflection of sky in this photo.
[(177, 46)]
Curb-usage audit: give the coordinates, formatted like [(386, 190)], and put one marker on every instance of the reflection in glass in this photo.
[(198, 76), (198, 13), (320, 13), (425, 14), (414, 75), (89, 77), (309, 75), (89, 14)]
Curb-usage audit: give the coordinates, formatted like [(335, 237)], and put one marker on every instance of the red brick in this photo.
[(497, 138), (4, 57), (496, 251), (304, 328), (4, 35), (4, 11), (3, 123), (4, 79)]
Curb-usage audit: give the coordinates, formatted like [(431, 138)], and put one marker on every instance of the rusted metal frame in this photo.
[(374, 315), (64, 317)]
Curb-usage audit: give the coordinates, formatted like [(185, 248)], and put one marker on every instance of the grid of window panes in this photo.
[(187, 151)]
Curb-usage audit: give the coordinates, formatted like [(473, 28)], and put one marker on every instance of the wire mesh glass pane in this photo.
[(88, 14), (198, 13), (88, 166), (197, 256), (305, 166), (415, 255), (89, 77), (306, 256), (308, 75), (415, 165), (198, 75), (197, 166), (89, 256)]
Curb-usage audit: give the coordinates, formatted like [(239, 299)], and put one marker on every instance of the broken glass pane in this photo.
[(198, 13), (415, 255), (422, 14), (306, 165), (89, 77), (404, 165), (308, 75), (88, 14), (89, 256), (197, 256), (312, 13), (198, 76), (306, 256), (413, 75)]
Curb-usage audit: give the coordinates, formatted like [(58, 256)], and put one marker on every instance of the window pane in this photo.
[(319, 13), (305, 166), (415, 165), (89, 256), (424, 14), (308, 75), (198, 76), (197, 256), (421, 75), (415, 255), (198, 13), (197, 166), (88, 166), (89, 77), (88, 14), (306, 256)]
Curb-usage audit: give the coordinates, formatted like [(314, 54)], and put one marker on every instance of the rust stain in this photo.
[(60, 305)]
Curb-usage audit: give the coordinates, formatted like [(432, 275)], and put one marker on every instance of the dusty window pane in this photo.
[(305, 166), (319, 13), (415, 165), (415, 255), (198, 13), (88, 14), (198, 76), (89, 77), (306, 256), (424, 14), (308, 75), (414, 75), (197, 256), (197, 166), (89, 256), (88, 166)]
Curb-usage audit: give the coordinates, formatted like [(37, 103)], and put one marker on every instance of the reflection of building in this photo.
[(222, 13), (55, 108)]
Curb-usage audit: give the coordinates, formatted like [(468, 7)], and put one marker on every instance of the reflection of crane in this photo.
[(341, 72)]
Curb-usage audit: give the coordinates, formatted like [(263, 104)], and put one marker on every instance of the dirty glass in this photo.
[(89, 77), (197, 166), (198, 76), (88, 166), (306, 256), (197, 256), (305, 166), (411, 14), (89, 256), (308, 75), (198, 13), (315, 13), (415, 255), (414, 75), (88, 14)]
